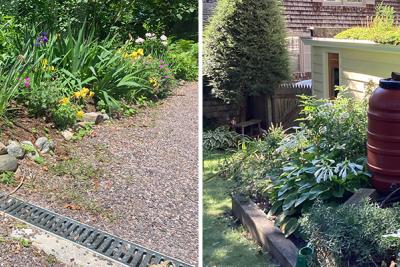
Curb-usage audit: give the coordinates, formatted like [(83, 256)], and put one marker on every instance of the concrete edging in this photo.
[(264, 231)]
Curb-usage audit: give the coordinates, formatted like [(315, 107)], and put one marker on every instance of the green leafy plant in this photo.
[(183, 55), (382, 30), (220, 139), (7, 178), (64, 116), (83, 131), (39, 160), (351, 235), (42, 98), (323, 158)]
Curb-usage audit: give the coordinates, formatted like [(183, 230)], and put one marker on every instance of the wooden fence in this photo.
[(284, 104)]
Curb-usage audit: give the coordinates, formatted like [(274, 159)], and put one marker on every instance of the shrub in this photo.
[(116, 17), (41, 99), (220, 139), (245, 56), (65, 116), (183, 56), (352, 235)]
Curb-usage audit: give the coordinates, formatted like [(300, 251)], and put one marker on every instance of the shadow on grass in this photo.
[(224, 243)]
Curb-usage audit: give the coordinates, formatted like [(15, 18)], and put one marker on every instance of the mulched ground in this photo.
[(136, 178), (14, 252)]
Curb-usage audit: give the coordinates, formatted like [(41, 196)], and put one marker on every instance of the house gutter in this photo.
[(350, 44)]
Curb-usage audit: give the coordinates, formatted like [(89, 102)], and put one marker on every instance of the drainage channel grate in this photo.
[(102, 243)]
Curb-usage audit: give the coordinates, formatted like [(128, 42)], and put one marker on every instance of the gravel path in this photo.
[(136, 178)]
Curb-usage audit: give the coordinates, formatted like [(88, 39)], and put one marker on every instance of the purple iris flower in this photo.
[(42, 39)]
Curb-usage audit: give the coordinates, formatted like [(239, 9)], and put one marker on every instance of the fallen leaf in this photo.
[(72, 207)]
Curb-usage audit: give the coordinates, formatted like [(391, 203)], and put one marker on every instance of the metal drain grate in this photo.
[(102, 243)]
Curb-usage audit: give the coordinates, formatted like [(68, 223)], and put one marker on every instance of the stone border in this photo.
[(264, 231)]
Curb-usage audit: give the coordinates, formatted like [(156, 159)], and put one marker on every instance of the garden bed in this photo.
[(121, 169), (263, 230)]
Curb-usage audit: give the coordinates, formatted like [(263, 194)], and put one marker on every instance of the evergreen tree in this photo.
[(245, 51)]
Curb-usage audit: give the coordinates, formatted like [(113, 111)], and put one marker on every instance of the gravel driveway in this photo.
[(136, 178)]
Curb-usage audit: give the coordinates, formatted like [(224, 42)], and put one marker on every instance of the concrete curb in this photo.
[(264, 231)]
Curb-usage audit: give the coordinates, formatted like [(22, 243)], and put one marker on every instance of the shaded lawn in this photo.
[(224, 243)]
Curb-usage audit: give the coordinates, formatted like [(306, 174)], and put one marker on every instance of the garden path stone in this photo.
[(40, 142), (95, 117), (45, 145), (146, 187), (67, 134), (8, 163), (3, 149), (15, 149)]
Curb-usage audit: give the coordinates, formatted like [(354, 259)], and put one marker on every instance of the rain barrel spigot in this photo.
[(383, 144)]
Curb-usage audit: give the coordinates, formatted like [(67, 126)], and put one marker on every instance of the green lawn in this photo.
[(224, 243)]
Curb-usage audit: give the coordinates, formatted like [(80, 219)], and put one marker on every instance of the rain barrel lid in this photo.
[(391, 83)]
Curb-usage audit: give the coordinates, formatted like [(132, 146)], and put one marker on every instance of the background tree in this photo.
[(110, 17), (244, 49)]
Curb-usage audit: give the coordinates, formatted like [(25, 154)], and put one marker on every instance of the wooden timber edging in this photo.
[(264, 231)]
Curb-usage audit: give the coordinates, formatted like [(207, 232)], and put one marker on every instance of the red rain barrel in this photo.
[(384, 134)]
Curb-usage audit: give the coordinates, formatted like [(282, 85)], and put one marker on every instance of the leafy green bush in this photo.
[(64, 116), (183, 56), (252, 165), (382, 30), (245, 56), (115, 17), (324, 158), (352, 235), (220, 139), (41, 99)]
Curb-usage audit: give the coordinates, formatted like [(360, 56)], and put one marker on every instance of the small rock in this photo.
[(8, 163), (105, 117), (3, 149), (40, 142), (67, 135), (48, 146), (45, 145), (93, 117), (15, 149)]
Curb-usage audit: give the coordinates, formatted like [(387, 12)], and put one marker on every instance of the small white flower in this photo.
[(139, 40), (149, 35), (164, 43), (163, 38)]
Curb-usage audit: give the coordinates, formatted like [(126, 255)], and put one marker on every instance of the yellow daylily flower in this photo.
[(80, 114), (84, 91), (140, 52), (77, 95), (64, 101), (91, 94)]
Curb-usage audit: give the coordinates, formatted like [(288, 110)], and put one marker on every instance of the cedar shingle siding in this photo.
[(303, 14), (327, 20)]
